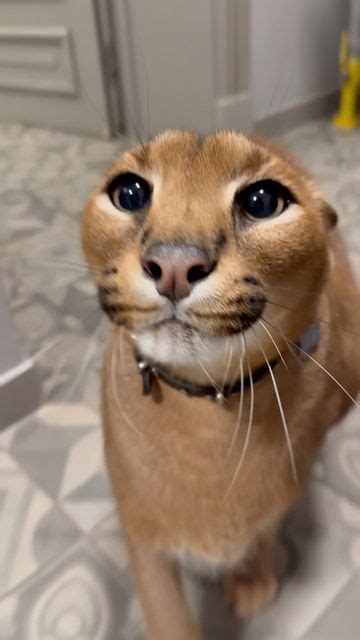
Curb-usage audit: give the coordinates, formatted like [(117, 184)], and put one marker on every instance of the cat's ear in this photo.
[(329, 214)]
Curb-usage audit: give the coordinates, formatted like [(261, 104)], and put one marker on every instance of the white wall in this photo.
[(294, 51), (184, 63), (171, 52)]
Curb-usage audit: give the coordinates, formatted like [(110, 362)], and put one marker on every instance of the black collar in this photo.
[(150, 371), (308, 340)]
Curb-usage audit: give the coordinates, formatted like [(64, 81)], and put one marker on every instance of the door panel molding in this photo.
[(51, 65), (37, 59)]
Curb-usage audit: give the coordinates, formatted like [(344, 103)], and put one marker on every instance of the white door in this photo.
[(51, 65)]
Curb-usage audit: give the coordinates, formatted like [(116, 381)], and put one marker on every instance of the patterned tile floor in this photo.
[(63, 566)]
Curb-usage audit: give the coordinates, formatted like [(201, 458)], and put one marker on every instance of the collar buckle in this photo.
[(146, 376)]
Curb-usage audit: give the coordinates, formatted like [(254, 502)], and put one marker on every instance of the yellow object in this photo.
[(347, 117), (344, 53)]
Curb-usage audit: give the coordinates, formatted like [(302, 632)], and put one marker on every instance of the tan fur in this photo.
[(171, 481)]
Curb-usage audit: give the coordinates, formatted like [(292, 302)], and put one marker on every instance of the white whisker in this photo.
[(113, 366), (286, 340), (62, 267), (89, 353), (291, 344), (282, 414), (122, 351), (321, 320), (61, 360), (275, 345), (212, 381), (75, 263), (54, 376), (231, 350), (327, 372), (248, 432), (241, 399)]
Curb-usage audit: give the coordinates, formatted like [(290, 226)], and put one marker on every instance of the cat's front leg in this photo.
[(157, 582), (253, 586)]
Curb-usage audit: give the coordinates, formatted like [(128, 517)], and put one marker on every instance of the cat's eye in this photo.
[(263, 199), (129, 192)]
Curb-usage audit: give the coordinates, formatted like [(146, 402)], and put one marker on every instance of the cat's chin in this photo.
[(187, 352), (180, 330), (170, 342)]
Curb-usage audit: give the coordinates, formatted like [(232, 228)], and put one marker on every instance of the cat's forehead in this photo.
[(219, 157)]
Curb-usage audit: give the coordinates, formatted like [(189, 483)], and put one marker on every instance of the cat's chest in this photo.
[(188, 494)]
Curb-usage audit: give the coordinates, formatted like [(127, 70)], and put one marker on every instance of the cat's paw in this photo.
[(247, 596)]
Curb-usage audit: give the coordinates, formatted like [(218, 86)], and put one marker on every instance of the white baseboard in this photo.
[(318, 107), (234, 112)]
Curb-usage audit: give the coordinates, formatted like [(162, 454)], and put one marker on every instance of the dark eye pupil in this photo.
[(132, 196), (261, 203), (130, 192), (262, 199)]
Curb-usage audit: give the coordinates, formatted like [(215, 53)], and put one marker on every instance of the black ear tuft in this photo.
[(329, 214)]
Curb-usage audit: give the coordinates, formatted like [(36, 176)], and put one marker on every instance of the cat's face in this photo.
[(190, 240)]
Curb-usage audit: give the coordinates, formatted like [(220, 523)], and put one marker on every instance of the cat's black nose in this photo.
[(176, 269)]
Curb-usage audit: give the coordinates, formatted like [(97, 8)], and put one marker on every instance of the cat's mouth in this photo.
[(215, 313), (224, 321), (213, 317)]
